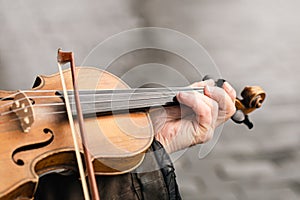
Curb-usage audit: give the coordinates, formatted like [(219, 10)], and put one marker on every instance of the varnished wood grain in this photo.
[(117, 142)]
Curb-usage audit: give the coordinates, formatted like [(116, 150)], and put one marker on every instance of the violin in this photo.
[(35, 131)]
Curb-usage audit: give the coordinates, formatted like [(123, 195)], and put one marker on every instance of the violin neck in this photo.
[(102, 102)]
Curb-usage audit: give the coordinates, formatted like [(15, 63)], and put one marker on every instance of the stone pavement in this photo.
[(252, 42)]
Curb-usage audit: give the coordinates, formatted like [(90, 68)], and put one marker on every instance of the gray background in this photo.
[(253, 42)]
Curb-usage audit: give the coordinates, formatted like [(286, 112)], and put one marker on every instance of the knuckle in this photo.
[(205, 113), (205, 120), (233, 93)]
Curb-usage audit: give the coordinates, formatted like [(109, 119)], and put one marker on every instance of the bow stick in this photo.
[(64, 57)]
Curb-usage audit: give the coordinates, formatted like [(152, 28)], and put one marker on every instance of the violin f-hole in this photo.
[(19, 161)]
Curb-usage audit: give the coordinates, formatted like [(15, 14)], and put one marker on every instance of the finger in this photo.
[(223, 99), (206, 111), (205, 108), (230, 91)]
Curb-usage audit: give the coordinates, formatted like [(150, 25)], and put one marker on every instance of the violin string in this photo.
[(63, 104), (36, 105), (95, 95), (111, 108), (89, 102), (92, 94), (114, 108), (8, 97), (129, 90), (107, 108), (85, 102), (17, 118), (112, 91)]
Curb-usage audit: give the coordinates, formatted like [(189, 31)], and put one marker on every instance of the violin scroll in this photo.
[(253, 97)]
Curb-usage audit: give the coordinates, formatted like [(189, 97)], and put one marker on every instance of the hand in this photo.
[(194, 121)]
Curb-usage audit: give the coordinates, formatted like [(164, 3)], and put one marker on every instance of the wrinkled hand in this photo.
[(194, 121)]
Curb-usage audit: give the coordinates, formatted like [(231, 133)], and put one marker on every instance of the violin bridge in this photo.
[(23, 108)]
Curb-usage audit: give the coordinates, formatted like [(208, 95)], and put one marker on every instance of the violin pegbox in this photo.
[(23, 108)]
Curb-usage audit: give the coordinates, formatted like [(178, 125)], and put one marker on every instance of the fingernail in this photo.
[(183, 95), (208, 90), (227, 85)]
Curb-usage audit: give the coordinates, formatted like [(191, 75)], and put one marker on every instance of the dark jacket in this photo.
[(153, 179)]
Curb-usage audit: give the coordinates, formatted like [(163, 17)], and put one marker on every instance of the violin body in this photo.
[(41, 142), (36, 137)]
